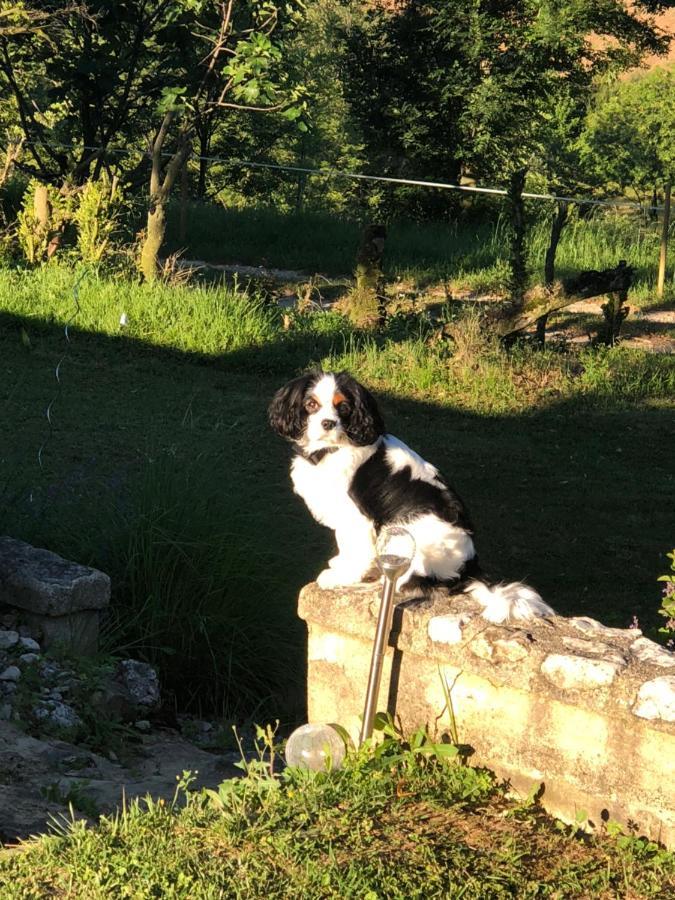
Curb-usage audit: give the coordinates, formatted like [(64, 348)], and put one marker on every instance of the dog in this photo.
[(356, 479)]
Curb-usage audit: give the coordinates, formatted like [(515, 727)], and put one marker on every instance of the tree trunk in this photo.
[(160, 189), (663, 255), (367, 304), (153, 241), (541, 300), (204, 143), (517, 261), (557, 224)]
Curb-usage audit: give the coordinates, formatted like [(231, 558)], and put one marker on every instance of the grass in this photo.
[(464, 254), (159, 467), (388, 824)]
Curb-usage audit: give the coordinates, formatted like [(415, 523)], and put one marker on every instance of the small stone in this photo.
[(8, 687), (11, 673), (59, 714), (446, 629), (8, 620), (510, 650), (649, 652), (593, 628), (55, 695), (143, 725), (8, 639), (595, 649), (482, 648), (29, 644), (578, 672), (25, 631), (29, 658), (656, 699), (5, 712)]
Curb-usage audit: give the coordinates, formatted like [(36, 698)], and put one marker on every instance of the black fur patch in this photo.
[(388, 497)]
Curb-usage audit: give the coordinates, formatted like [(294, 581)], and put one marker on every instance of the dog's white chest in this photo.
[(325, 487)]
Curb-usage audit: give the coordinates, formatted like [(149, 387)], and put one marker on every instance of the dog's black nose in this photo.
[(328, 424)]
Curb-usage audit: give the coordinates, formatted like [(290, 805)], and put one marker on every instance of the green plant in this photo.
[(668, 603), (97, 210), (41, 222)]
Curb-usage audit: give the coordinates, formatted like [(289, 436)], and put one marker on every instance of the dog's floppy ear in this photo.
[(364, 424), (286, 411)]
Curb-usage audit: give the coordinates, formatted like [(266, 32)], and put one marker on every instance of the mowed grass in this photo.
[(160, 469), (465, 254), (391, 824)]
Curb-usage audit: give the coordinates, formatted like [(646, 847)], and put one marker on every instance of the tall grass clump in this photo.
[(194, 592)]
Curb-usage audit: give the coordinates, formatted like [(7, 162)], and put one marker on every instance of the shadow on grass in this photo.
[(160, 469)]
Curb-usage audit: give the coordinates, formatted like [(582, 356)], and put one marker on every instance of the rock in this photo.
[(656, 699), (11, 673), (578, 672), (649, 652), (593, 628), (29, 644), (133, 689), (28, 658), (8, 639), (8, 620), (40, 581), (5, 712), (143, 725), (59, 714), (446, 629)]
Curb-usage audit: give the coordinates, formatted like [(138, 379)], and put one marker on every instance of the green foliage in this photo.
[(97, 211), (668, 603), (628, 135), (388, 824), (39, 226)]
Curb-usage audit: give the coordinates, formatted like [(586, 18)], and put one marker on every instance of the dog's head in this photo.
[(323, 409)]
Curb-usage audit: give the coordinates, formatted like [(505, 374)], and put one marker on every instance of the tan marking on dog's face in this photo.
[(338, 398)]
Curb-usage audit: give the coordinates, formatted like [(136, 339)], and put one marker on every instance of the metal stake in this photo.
[(391, 575)]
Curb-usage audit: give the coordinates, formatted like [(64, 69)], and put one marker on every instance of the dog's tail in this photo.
[(508, 602)]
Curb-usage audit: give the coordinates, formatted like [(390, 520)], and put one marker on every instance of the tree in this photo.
[(237, 69), (464, 88)]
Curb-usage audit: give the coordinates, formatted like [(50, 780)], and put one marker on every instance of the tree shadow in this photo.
[(571, 498)]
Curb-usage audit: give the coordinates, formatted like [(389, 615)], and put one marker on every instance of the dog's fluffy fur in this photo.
[(355, 478)]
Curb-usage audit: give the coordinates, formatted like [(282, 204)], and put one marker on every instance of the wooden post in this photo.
[(517, 261), (184, 196), (663, 256)]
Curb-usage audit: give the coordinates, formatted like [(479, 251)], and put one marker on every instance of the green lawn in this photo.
[(392, 825), (160, 468)]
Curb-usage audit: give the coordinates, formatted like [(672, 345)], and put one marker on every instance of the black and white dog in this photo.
[(355, 478)]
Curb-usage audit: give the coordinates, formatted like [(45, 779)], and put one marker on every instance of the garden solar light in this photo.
[(395, 551), (316, 747)]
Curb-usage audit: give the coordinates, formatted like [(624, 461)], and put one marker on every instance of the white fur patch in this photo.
[(399, 455), (506, 602)]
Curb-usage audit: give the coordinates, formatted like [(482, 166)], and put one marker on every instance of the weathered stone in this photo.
[(8, 639), (593, 628), (656, 699), (5, 712), (650, 652), (446, 629), (578, 672), (132, 689), (143, 725), (11, 673), (29, 644), (575, 728), (42, 582), (57, 714), (28, 658), (77, 633)]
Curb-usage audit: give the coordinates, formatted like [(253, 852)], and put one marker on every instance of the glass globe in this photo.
[(316, 747), (395, 550)]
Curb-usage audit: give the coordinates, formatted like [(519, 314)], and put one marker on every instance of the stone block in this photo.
[(60, 600), (568, 704)]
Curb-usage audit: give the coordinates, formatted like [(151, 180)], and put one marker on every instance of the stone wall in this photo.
[(584, 710)]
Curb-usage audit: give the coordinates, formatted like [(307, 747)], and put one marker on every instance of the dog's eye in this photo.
[(311, 405), (343, 408)]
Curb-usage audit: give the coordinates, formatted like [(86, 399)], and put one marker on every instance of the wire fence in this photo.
[(332, 173)]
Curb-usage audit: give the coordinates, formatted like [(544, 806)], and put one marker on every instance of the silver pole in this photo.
[(391, 574)]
